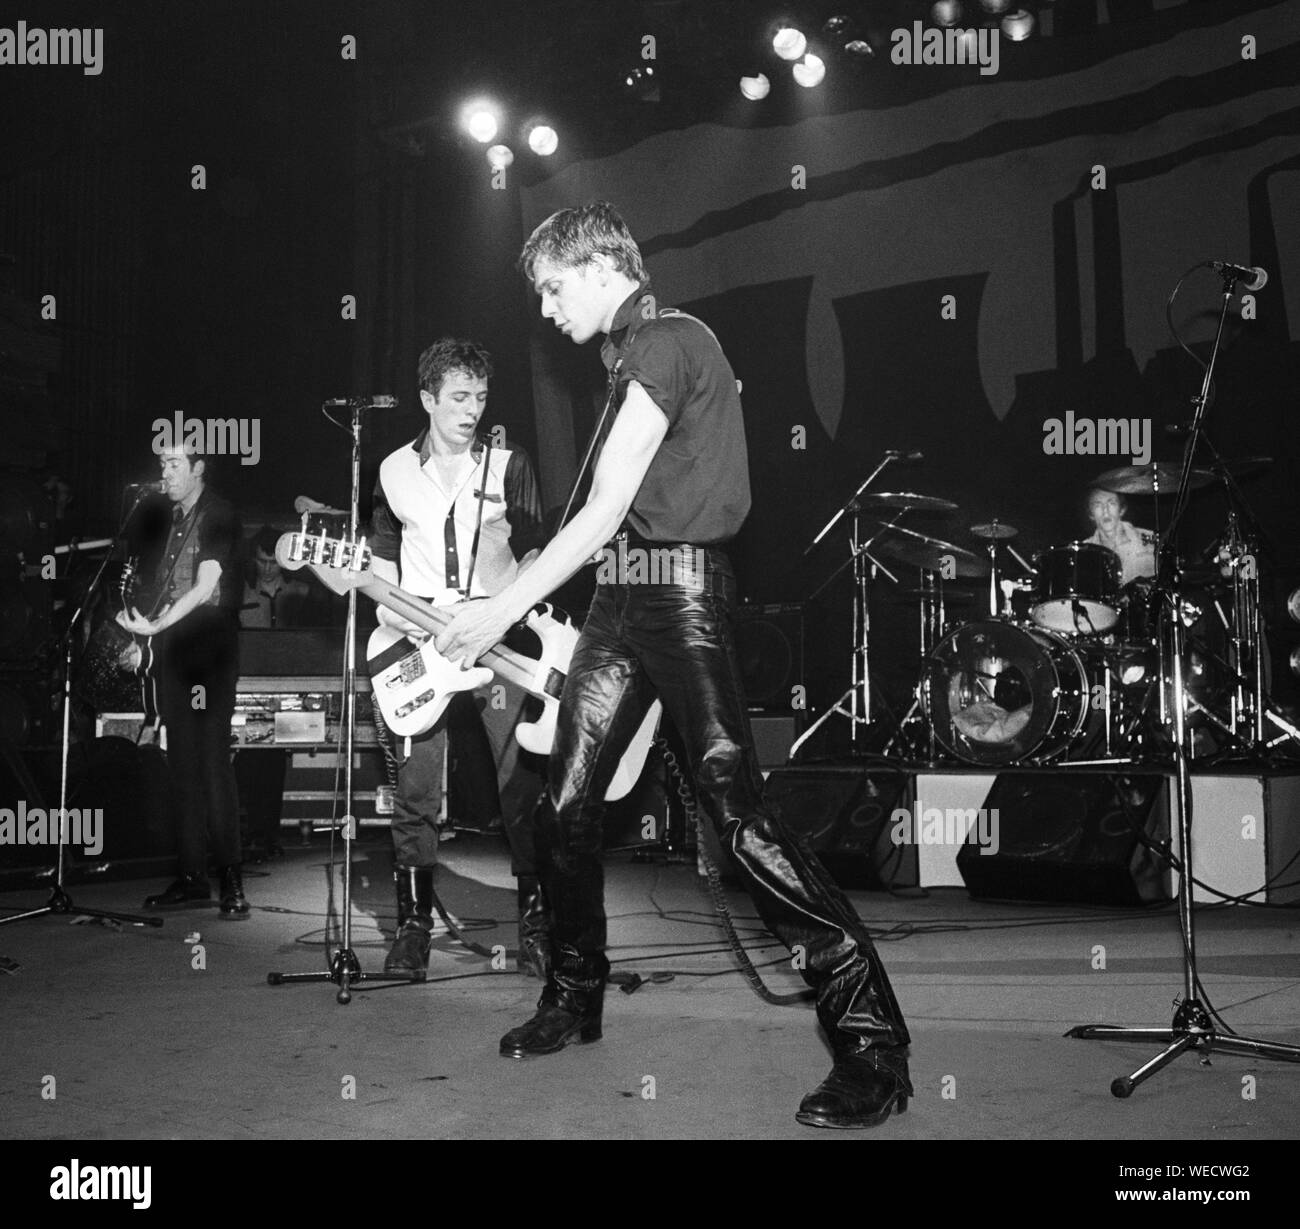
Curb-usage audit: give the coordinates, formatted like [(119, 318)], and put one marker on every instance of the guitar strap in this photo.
[(478, 523), (599, 431)]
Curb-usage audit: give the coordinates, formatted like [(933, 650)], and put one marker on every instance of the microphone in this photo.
[(380, 401), (146, 486), (915, 455), (1255, 278)]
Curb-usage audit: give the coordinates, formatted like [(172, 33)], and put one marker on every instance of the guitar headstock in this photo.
[(342, 563)]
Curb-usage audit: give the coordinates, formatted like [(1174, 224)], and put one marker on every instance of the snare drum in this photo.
[(997, 693), (1078, 592)]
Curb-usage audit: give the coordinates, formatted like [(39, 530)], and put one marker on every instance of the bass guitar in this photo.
[(413, 683)]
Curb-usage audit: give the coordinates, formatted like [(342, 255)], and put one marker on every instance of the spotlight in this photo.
[(543, 140), (755, 88), (642, 83), (809, 71), (499, 157), (1294, 659), (1018, 26), (789, 43), (479, 119), (946, 12), (995, 8), (1293, 604), (858, 50)]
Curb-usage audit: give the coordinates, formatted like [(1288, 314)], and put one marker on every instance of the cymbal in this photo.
[(994, 532), (1141, 479), (932, 554), (906, 499)]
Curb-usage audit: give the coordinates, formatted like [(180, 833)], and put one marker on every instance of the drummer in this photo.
[(1135, 547)]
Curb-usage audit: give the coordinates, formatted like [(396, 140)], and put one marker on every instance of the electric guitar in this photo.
[(413, 683)]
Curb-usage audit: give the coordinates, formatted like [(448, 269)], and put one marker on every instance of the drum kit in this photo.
[(1066, 665)]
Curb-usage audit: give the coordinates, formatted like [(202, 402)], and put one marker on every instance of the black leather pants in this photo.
[(676, 641)]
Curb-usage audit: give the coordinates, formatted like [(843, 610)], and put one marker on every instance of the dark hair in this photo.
[(1101, 490), (449, 354), (264, 540), (572, 237)]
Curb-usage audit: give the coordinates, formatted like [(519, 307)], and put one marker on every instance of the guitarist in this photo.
[(454, 513), (672, 475), (195, 646)]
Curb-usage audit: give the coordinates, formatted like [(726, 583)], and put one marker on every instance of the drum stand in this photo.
[(1193, 1025), (344, 967), (855, 703)]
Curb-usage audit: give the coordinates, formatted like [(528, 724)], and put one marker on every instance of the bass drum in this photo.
[(998, 693)]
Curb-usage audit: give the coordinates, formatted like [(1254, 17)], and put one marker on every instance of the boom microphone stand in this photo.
[(344, 967), (1193, 1025), (60, 901)]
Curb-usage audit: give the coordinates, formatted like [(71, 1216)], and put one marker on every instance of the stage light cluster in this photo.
[(482, 119), (841, 41)]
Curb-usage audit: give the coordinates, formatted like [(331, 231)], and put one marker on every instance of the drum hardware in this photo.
[(930, 554), (1078, 590), (906, 501), (857, 702), (1194, 1025), (60, 901), (995, 534), (1154, 478)]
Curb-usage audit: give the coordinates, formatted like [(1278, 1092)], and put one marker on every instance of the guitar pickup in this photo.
[(419, 702)]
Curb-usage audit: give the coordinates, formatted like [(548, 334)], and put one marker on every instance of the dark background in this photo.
[(328, 177)]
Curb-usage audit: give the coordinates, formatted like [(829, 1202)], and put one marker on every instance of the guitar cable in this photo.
[(717, 893)]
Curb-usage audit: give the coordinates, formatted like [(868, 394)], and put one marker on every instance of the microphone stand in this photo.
[(60, 901), (344, 968), (1194, 1025)]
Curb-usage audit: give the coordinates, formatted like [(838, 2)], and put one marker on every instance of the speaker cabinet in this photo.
[(845, 815), (1071, 837), (769, 644)]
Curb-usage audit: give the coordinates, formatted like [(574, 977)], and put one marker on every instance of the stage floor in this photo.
[(143, 1045)]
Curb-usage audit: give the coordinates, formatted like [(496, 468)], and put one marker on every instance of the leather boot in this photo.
[(234, 908), (187, 890), (534, 958), (409, 954), (569, 1009), (864, 1085)]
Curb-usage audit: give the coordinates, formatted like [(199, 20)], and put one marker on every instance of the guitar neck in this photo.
[(433, 619)]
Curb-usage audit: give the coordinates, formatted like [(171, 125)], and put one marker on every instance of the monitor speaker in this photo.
[(1082, 837)]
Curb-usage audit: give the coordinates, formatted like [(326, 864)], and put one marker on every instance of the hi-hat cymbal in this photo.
[(932, 554), (994, 531), (1142, 479), (906, 499)]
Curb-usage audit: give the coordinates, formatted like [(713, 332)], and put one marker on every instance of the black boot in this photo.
[(569, 1009), (534, 959), (234, 908), (861, 1090), (187, 890), (410, 952)]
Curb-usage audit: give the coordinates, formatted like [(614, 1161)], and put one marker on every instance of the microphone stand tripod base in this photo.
[(1191, 1029)]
